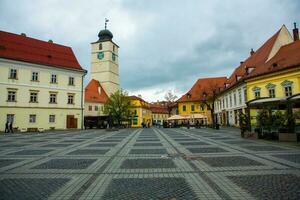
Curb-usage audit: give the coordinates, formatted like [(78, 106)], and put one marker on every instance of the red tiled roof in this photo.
[(206, 85), (26, 49), (288, 56), (95, 93), (258, 58), (158, 109)]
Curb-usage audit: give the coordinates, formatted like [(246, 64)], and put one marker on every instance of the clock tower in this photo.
[(105, 62)]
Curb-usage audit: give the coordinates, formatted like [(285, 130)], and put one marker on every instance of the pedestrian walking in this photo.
[(11, 127), (6, 127)]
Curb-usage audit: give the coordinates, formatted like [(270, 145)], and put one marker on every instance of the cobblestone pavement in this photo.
[(146, 164)]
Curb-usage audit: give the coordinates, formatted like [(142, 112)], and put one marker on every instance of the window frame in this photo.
[(50, 101), (32, 118), (30, 96), (71, 80), (52, 118), (15, 77), (184, 108), (35, 76), (14, 96), (51, 78)]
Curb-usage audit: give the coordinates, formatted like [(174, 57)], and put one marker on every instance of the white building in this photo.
[(41, 83)]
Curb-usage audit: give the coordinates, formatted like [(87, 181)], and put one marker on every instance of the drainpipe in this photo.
[(82, 106)]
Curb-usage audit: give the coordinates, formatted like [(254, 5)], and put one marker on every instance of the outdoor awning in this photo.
[(197, 116), (266, 100), (176, 117)]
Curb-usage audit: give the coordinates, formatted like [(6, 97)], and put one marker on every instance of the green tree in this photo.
[(118, 107)]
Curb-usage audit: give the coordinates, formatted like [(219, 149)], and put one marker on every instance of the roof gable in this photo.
[(95, 93), (206, 85)]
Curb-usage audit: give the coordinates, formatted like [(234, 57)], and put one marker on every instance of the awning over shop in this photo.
[(176, 117)]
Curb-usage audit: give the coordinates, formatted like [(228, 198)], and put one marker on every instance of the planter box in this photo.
[(288, 137)]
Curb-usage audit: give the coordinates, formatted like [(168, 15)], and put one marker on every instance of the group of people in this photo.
[(9, 127)]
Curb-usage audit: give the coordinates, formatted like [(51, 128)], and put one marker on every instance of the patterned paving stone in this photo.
[(149, 189), (193, 143), (289, 157), (263, 148), (185, 139), (110, 140), (238, 142), (207, 150), (31, 152), (72, 141), (14, 145), (147, 144), (30, 188), (7, 162), (66, 164), (270, 186), (147, 163), (89, 152), (102, 145), (148, 151), (57, 145), (147, 140), (230, 161)]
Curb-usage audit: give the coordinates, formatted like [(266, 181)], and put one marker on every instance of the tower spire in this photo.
[(106, 20)]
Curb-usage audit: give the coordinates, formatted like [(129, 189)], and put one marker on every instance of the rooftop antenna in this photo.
[(106, 20)]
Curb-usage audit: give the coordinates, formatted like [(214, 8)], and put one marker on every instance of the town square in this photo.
[(149, 100)]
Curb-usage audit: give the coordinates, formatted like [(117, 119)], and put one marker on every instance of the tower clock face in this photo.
[(100, 55)]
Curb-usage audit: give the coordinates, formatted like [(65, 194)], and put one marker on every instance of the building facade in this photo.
[(41, 83), (160, 113), (231, 100), (199, 99), (141, 112)]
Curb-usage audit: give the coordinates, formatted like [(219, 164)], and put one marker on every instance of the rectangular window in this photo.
[(53, 78), (10, 118), (100, 46), (33, 97), (234, 99), (113, 48), (11, 96), (90, 108), (35, 76), (71, 99), (193, 107), (183, 108), (96, 108), (51, 118), (52, 98), (257, 94), (32, 118), (288, 91), (240, 96), (230, 100), (272, 93), (71, 80), (13, 74)]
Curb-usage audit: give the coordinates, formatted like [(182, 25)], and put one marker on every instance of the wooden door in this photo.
[(71, 121)]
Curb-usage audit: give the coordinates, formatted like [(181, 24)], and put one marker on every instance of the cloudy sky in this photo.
[(164, 44)]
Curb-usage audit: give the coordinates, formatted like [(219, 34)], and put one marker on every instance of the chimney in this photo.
[(295, 32), (251, 52), (23, 34)]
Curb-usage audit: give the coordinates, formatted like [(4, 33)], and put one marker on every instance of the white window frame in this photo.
[(13, 73), (53, 78), (33, 99), (52, 118), (34, 76), (32, 118)]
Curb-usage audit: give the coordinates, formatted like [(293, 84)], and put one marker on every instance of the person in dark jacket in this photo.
[(11, 127), (6, 127)]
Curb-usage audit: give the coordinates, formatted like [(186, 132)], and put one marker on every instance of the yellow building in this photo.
[(159, 114), (199, 99), (41, 83), (141, 113), (275, 83)]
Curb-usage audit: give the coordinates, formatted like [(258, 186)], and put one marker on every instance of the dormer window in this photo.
[(188, 95)]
